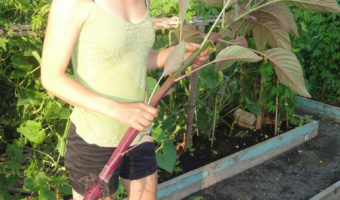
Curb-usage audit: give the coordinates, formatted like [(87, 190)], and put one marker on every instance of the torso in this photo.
[(110, 58)]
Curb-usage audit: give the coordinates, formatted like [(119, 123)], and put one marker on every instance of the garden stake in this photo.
[(106, 173), (276, 108)]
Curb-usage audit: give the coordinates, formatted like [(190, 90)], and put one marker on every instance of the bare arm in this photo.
[(157, 59), (64, 24)]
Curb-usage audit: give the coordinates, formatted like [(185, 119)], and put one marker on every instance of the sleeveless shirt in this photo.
[(110, 58)]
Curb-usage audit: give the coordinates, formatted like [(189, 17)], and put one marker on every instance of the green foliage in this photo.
[(167, 158), (319, 52), (287, 101), (32, 122)]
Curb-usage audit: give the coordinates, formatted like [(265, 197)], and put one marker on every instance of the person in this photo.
[(109, 43)]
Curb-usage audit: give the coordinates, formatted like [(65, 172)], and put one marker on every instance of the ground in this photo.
[(298, 174)]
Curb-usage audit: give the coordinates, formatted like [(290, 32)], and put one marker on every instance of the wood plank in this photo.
[(217, 171)]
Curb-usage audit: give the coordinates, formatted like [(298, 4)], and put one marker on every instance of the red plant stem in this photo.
[(129, 136), (106, 173)]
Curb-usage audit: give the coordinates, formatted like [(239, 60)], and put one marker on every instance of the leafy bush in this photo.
[(318, 50)]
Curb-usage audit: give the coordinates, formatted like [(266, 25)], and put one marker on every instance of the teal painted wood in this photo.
[(318, 108), (241, 157)]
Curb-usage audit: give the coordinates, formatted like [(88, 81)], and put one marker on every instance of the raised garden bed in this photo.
[(318, 108), (231, 165), (331, 193)]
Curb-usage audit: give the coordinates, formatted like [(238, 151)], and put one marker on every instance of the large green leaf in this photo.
[(20, 62), (32, 130), (283, 15), (31, 97), (175, 59), (167, 159), (151, 84), (234, 53), (317, 5), (46, 194), (288, 70)]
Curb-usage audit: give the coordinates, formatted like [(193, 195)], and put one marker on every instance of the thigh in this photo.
[(77, 196), (141, 189)]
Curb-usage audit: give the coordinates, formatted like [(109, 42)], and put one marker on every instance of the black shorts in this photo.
[(84, 160)]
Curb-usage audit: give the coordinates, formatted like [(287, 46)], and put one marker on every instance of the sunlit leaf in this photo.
[(183, 7), (234, 53), (175, 59), (288, 70), (151, 83), (36, 56), (32, 131), (317, 5), (157, 134)]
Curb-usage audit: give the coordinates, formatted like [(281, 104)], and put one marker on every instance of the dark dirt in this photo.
[(224, 144), (298, 174)]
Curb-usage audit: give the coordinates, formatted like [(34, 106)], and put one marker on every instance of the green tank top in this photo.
[(110, 58)]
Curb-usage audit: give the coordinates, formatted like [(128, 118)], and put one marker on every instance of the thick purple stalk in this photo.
[(106, 173)]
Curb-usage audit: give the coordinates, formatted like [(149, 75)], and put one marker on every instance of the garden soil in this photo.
[(298, 174)]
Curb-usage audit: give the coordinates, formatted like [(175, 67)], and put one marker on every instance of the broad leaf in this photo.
[(183, 7), (151, 84), (46, 194), (288, 70), (175, 59), (190, 34), (234, 53), (29, 184), (242, 41), (167, 159), (317, 5), (260, 36), (283, 15), (157, 134), (40, 179), (20, 62), (276, 35), (32, 130)]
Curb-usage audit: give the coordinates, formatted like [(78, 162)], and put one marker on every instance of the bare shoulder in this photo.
[(77, 9)]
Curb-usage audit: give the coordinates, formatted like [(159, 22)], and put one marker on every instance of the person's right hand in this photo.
[(136, 115)]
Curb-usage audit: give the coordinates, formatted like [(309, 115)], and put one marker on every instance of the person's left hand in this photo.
[(190, 48)]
